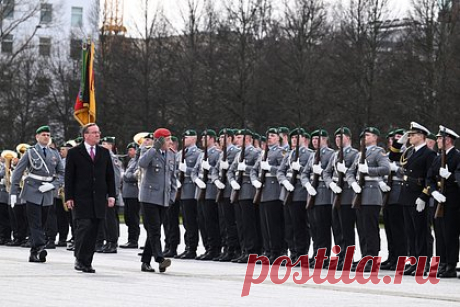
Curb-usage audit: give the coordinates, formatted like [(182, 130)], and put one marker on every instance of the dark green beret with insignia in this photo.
[(174, 138), (431, 136), (284, 130), (227, 131), (346, 131), (400, 131), (319, 132), (256, 136), (295, 132), (108, 139), (190, 132), (244, 131), (78, 139), (131, 145), (209, 132), (263, 139), (272, 130), (43, 129), (372, 130), (391, 134)]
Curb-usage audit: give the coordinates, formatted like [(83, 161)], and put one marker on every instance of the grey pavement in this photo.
[(119, 282)]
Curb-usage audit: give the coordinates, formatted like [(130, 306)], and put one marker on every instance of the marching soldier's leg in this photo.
[(111, 230), (191, 224), (301, 229), (232, 239), (337, 231), (264, 229), (202, 226), (51, 228), (62, 218), (174, 230), (132, 221), (237, 209), (5, 224), (275, 219)]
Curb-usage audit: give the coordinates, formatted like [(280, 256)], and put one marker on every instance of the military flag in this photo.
[(85, 105)]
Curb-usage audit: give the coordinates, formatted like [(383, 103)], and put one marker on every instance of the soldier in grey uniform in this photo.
[(207, 205), (393, 216), (110, 230), (296, 209), (376, 165), (130, 192), (157, 192), (227, 221), (271, 208), (188, 201), (5, 224), (44, 165), (321, 213), (250, 223), (343, 219)]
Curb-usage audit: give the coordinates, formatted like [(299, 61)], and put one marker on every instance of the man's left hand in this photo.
[(111, 202)]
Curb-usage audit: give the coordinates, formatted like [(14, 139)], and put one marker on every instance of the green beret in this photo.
[(108, 139), (319, 132), (295, 132), (372, 130), (272, 130), (431, 136), (391, 133), (190, 132), (284, 130), (131, 145), (263, 139), (227, 131), (399, 131), (174, 138), (244, 131), (78, 139), (346, 131), (209, 132), (256, 136), (42, 129)]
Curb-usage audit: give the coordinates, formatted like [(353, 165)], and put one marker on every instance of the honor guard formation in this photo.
[(240, 192)]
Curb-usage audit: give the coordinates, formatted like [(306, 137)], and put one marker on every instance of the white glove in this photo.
[(404, 138), (444, 172), (265, 166), (355, 186), (341, 167), (219, 184), (256, 184), (335, 188), (310, 189), (182, 167), (205, 165), (13, 200), (317, 169), (384, 187), (200, 183), (296, 165), (223, 165), (289, 187), (45, 187), (438, 197), (420, 204), (241, 166), (178, 184), (394, 167), (2, 182), (363, 168), (235, 185)]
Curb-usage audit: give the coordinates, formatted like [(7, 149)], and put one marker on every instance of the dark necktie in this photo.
[(91, 152), (44, 151), (163, 153)]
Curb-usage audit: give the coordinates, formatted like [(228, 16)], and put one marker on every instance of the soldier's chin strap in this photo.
[(43, 162)]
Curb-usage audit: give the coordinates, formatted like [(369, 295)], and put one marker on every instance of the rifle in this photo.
[(236, 193), (386, 196), (223, 177), (295, 173), (202, 194), (356, 204), (181, 174), (338, 197), (258, 195), (440, 206), (315, 181)]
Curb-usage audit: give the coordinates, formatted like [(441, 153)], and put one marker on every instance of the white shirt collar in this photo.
[(419, 146), (88, 147)]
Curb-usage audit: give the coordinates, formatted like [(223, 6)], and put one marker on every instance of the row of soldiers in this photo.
[(244, 196)]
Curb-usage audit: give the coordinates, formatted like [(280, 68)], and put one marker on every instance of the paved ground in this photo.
[(119, 282)]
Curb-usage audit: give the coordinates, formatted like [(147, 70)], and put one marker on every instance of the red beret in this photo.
[(161, 132)]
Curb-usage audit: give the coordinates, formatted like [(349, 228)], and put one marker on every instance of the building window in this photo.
[(44, 46), (7, 9), (7, 44), (75, 49), (77, 17), (46, 13)]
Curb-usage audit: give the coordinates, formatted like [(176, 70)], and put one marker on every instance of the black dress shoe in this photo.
[(129, 245), (243, 259), (50, 244), (88, 269), (237, 258), (410, 270), (26, 243), (99, 248), (38, 256), (61, 244), (180, 255), (227, 257), (388, 266), (164, 264), (450, 272), (189, 255), (110, 248), (170, 254), (145, 267), (200, 257), (210, 256), (71, 246), (78, 266)]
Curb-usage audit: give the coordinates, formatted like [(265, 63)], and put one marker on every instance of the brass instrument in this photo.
[(61, 195), (8, 155), (21, 149)]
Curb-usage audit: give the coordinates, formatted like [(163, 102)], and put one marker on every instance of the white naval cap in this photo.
[(417, 128), (447, 132)]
